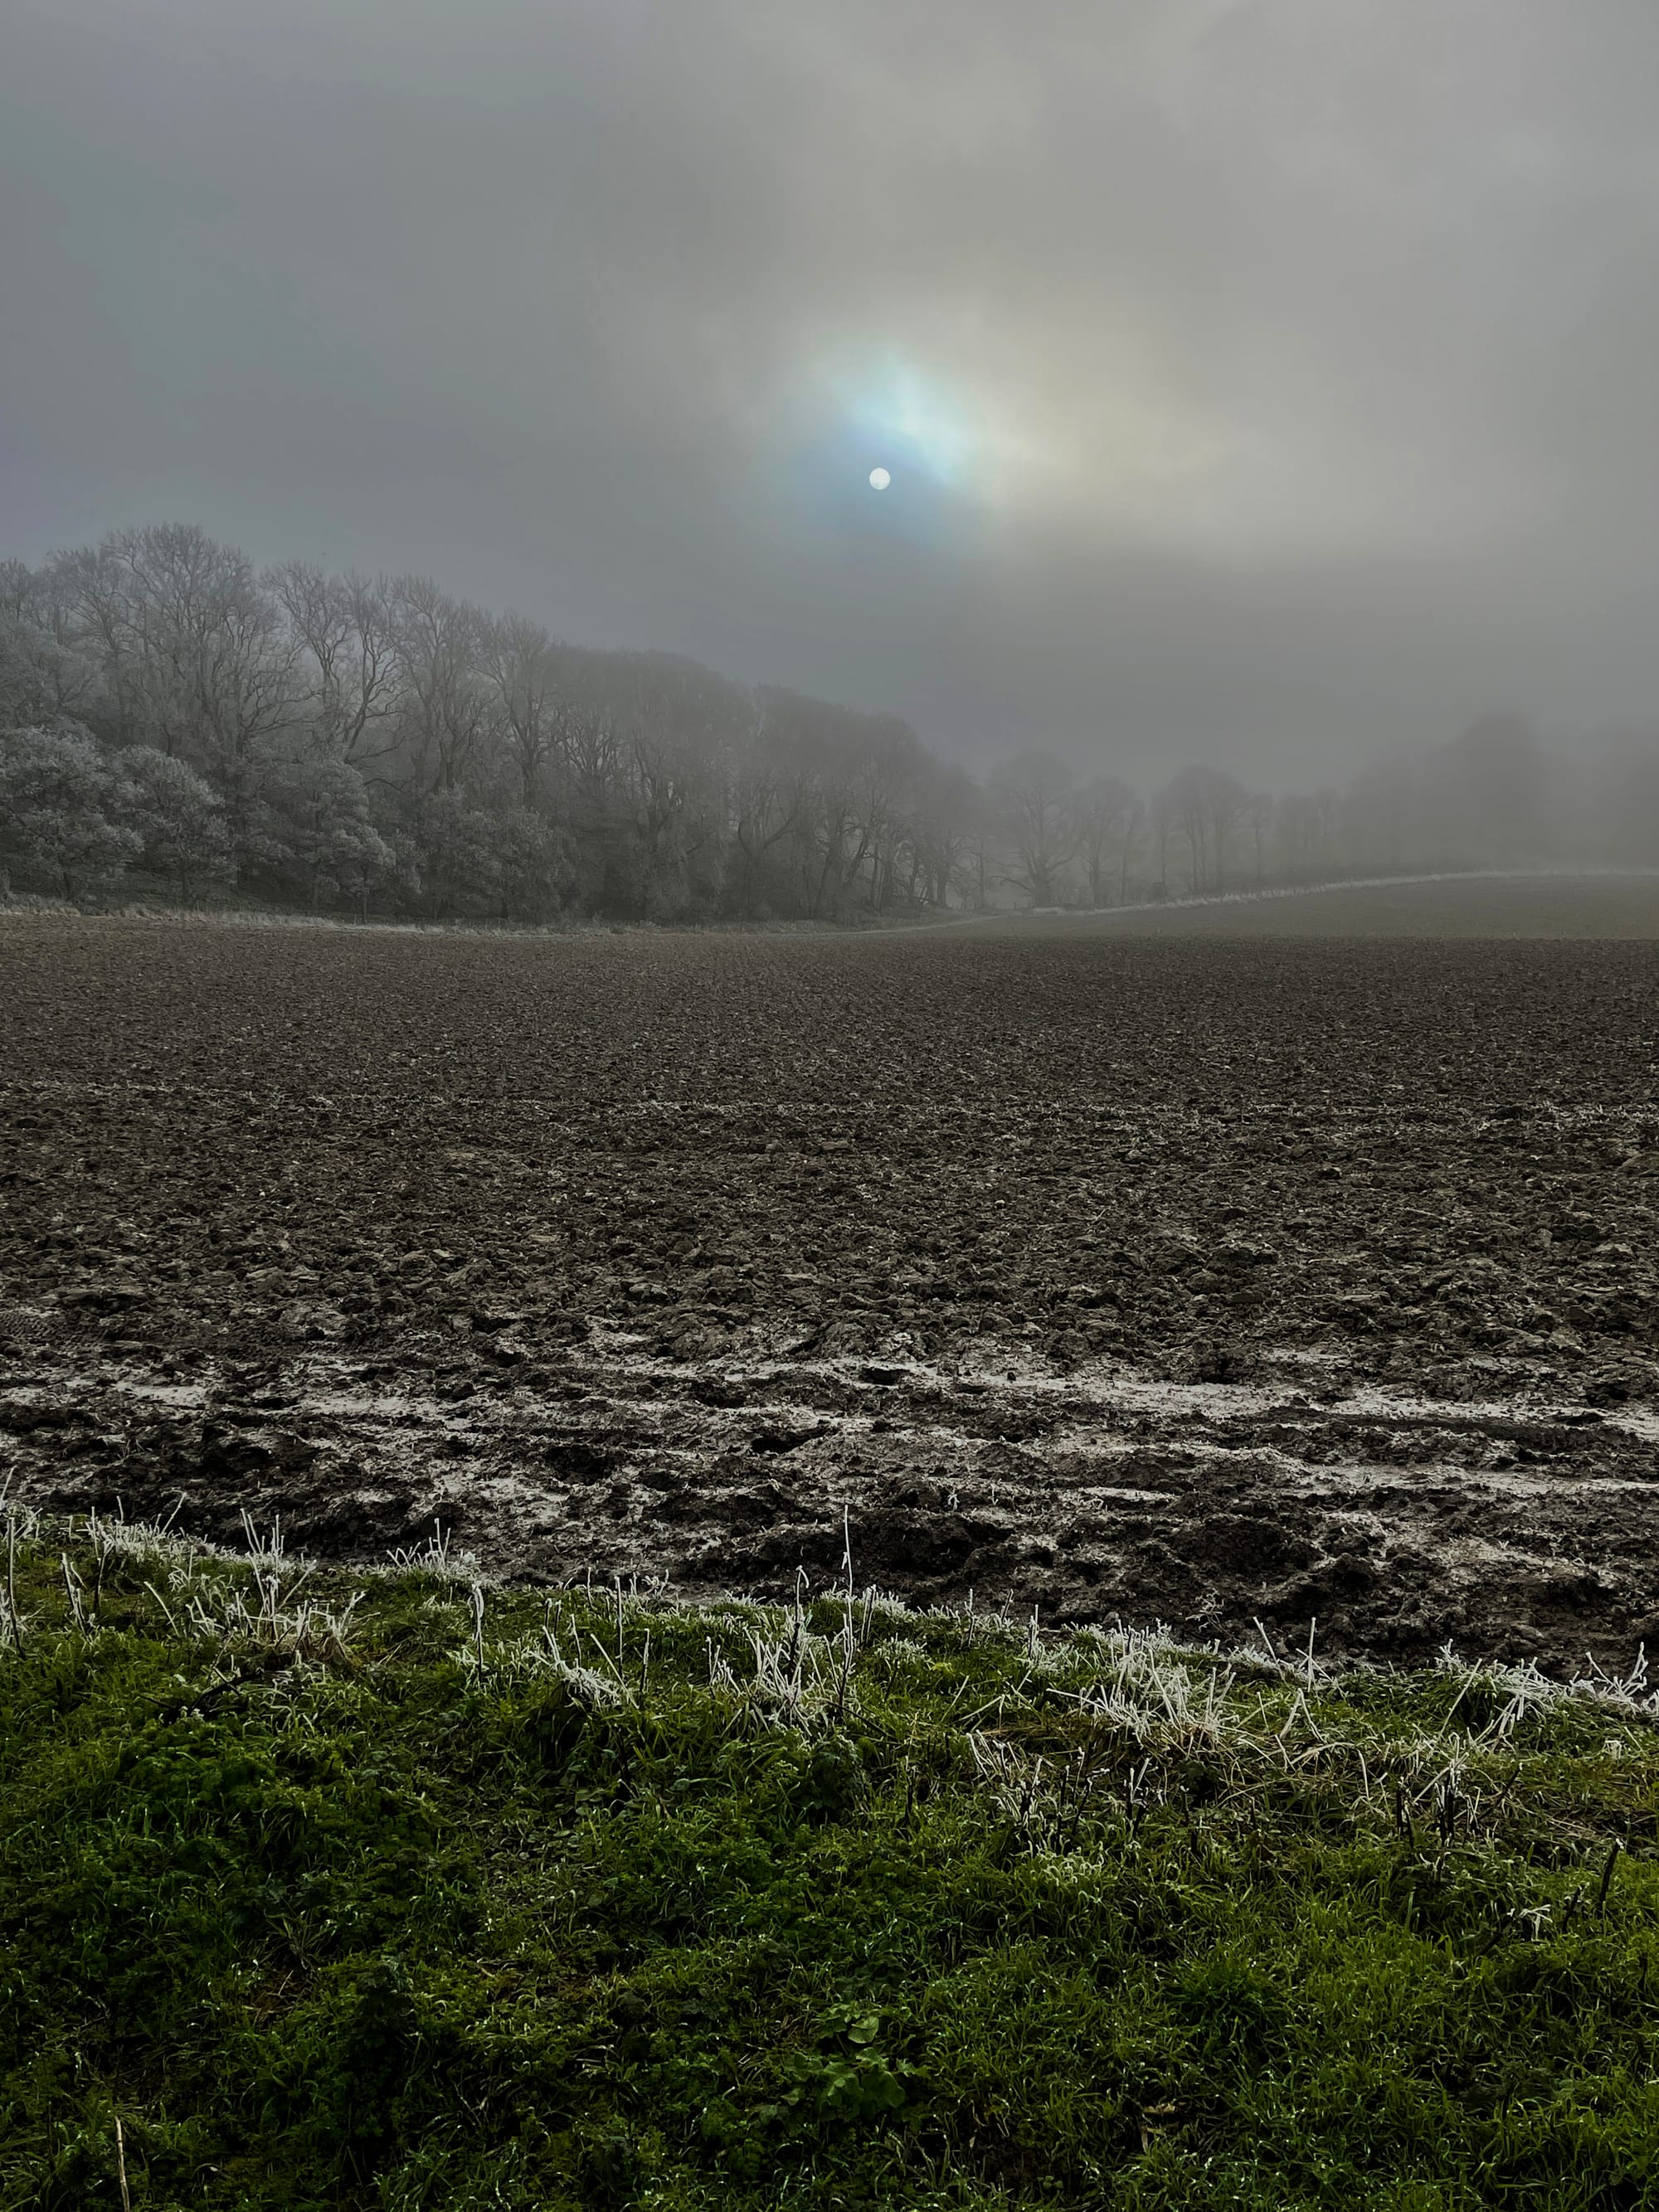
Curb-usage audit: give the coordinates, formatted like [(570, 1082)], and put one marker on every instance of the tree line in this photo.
[(176, 721)]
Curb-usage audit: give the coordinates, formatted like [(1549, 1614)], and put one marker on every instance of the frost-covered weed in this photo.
[(899, 1658), (973, 1627), (1628, 1693), (798, 1679), (270, 1617), (1160, 1701), (1520, 1691), (434, 1558), (527, 1659)]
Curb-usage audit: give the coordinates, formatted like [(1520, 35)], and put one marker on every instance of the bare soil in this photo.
[(1234, 1282)]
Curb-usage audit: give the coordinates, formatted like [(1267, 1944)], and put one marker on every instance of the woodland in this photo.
[(180, 726)]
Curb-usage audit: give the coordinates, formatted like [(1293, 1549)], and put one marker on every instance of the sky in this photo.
[(1275, 382)]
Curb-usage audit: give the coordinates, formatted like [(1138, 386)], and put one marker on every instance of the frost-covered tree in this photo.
[(324, 808), (177, 815), (460, 864), (346, 630), (537, 875), (61, 801)]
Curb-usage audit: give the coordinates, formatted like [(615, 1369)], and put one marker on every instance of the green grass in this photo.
[(400, 1909)]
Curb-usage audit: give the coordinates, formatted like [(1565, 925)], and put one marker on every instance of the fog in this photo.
[(1265, 384)]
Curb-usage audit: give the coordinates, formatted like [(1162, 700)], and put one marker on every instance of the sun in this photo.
[(879, 479)]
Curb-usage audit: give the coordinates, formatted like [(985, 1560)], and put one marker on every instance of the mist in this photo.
[(829, 1102), (1261, 385), (175, 720)]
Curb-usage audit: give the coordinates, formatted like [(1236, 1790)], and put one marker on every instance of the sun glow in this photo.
[(887, 453), (897, 407), (936, 435)]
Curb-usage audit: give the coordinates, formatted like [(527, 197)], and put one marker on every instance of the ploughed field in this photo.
[(1232, 1282)]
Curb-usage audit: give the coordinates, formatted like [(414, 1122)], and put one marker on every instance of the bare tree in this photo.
[(1134, 829), (447, 701), (1225, 800), (1182, 814), (197, 659), (47, 673), (1204, 807), (1258, 813), (202, 651), (348, 629), (1489, 783), (522, 663), (851, 771), (679, 726), (891, 773), (949, 809), (769, 790), (1035, 793), (1100, 810)]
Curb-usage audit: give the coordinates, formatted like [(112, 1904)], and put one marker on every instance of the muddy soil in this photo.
[(1233, 1284)]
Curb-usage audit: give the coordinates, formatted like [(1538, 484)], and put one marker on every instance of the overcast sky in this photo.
[(1267, 380)]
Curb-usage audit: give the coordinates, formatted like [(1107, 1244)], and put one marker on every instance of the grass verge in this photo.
[(393, 1891)]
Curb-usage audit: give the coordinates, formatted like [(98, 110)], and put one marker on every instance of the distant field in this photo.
[(1481, 907)]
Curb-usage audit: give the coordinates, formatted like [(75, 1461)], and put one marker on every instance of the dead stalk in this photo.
[(11, 1577), (72, 1592), (845, 1683), (166, 1610), (1606, 1877)]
